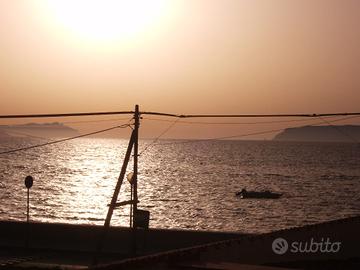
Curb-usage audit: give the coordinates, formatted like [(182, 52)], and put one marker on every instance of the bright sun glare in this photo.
[(103, 20)]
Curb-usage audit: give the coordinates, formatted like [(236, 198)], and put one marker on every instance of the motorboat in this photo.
[(244, 194)]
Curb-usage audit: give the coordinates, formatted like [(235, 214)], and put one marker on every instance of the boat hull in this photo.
[(258, 195)]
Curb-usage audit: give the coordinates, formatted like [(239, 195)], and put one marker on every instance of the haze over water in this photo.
[(187, 185)]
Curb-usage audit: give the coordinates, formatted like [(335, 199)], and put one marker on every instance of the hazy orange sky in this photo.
[(198, 56)]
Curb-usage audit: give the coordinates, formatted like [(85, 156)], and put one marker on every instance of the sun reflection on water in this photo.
[(184, 186)]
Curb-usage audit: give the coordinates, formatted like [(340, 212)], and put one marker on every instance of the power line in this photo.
[(236, 123), (62, 114), (248, 115), (62, 140), (158, 137), (250, 134), (24, 134), (176, 115), (339, 130), (342, 119), (94, 121), (224, 137), (352, 115)]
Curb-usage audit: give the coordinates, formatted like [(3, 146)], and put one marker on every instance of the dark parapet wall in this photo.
[(56, 245), (74, 237), (346, 133)]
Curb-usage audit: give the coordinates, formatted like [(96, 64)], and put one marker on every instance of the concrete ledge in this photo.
[(83, 238)]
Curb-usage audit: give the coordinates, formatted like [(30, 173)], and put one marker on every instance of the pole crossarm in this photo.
[(118, 204)]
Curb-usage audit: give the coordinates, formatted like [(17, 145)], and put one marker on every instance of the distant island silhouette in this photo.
[(345, 133), (47, 130)]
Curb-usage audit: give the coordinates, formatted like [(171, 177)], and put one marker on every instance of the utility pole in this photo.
[(136, 145), (133, 143)]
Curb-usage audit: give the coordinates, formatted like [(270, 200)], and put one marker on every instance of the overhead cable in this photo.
[(235, 123), (224, 137), (158, 137), (24, 134), (95, 121), (62, 140), (339, 130), (248, 115), (249, 134), (176, 115), (62, 114)]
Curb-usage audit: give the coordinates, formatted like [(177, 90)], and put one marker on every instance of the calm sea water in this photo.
[(184, 185)]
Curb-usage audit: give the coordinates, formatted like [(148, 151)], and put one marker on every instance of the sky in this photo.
[(186, 57)]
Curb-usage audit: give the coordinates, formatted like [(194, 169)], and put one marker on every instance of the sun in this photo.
[(104, 20)]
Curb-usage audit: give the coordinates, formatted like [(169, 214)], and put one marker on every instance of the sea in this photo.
[(188, 185)]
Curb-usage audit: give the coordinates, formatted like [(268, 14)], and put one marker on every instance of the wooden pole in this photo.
[(114, 199), (136, 145), (131, 205), (120, 181)]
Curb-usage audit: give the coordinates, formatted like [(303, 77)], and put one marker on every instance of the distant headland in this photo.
[(34, 129), (345, 133)]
